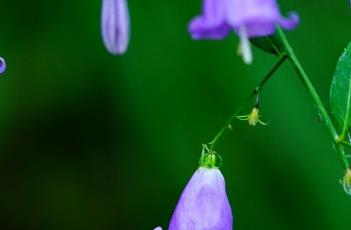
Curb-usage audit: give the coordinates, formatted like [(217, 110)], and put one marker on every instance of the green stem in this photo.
[(313, 93), (346, 143), (258, 89), (342, 155)]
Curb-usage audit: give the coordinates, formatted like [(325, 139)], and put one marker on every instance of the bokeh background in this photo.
[(96, 142)]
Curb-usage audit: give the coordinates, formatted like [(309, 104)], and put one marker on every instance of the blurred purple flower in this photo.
[(115, 25), (2, 65), (248, 18), (203, 203)]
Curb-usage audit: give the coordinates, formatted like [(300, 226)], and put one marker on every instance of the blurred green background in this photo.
[(92, 141)]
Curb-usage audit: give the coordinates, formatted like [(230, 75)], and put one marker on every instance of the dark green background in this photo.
[(93, 141)]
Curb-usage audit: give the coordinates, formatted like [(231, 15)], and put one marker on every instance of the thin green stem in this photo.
[(258, 89), (313, 93), (342, 156)]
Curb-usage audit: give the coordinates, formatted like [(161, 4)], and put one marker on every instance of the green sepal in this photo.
[(269, 44), (210, 160)]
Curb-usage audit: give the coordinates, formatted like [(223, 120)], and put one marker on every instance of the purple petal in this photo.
[(115, 25), (2, 65), (257, 28), (259, 17), (211, 24), (203, 203), (291, 22), (200, 29), (240, 12), (213, 12)]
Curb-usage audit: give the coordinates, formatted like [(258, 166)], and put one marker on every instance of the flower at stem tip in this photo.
[(248, 18), (203, 204), (115, 26), (2, 65), (253, 118)]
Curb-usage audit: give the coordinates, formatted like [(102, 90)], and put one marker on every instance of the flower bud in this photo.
[(203, 203), (115, 26), (2, 65)]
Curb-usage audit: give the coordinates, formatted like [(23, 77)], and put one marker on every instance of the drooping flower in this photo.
[(115, 26), (203, 203), (2, 65), (248, 18)]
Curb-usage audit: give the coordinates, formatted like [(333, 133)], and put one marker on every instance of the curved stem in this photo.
[(313, 93), (258, 89)]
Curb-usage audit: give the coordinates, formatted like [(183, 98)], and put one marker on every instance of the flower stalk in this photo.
[(288, 54), (221, 134)]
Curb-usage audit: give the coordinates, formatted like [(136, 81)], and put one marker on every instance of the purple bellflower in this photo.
[(2, 65), (115, 26), (203, 204), (248, 18)]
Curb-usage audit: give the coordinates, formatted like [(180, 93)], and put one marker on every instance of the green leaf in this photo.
[(340, 92)]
